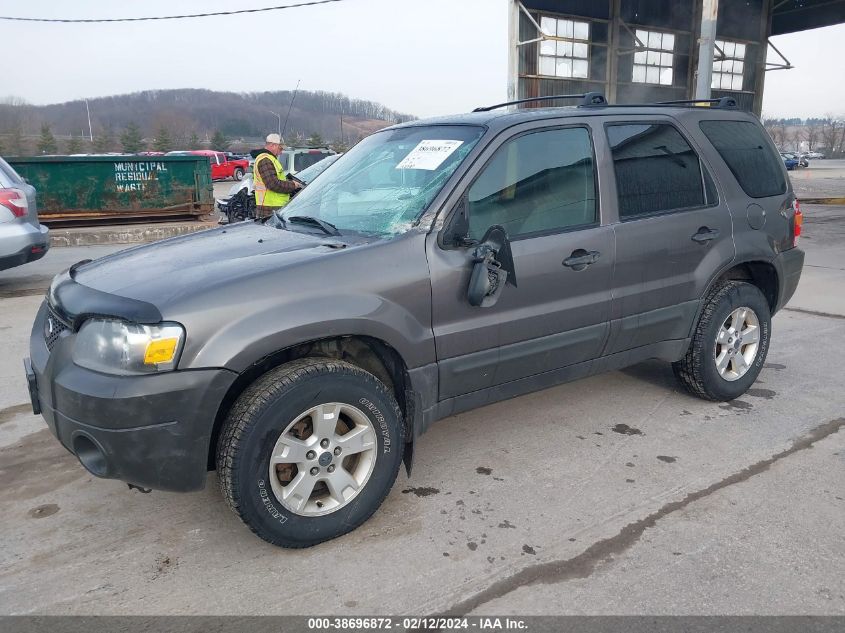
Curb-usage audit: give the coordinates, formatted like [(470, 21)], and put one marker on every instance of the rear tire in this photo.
[(729, 345), (298, 480)]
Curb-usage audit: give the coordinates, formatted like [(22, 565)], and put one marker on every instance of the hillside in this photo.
[(189, 115)]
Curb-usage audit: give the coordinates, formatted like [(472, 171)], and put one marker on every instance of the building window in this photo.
[(568, 56), (728, 66), (654, 64)]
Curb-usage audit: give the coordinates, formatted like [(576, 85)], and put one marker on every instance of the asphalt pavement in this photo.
[(618, 494)]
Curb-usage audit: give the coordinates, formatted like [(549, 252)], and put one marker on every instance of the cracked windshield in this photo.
[(383, 184)]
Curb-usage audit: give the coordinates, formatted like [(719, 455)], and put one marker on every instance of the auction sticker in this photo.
[(429, 155)]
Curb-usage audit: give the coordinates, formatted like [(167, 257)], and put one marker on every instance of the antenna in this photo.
[(292, 99)]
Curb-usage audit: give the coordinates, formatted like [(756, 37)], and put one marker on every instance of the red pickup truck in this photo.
[(221, 167)]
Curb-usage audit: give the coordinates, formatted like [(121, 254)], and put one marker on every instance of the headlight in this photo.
[(117, 347)]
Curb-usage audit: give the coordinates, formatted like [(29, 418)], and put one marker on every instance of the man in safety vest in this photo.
[(272, 189)]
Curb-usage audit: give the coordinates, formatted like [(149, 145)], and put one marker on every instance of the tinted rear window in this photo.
[(656, 169), (748, 154), (303, 161)]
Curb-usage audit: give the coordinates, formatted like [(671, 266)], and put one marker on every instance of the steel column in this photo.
[(513, 50), (706, 45)]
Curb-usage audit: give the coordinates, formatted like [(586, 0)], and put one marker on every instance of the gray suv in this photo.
[(438, 266)]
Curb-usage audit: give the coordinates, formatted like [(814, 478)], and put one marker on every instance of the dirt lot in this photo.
[(617, 494)]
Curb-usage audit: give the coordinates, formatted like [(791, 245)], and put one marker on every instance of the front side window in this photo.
[(383, 184), (654, 60), (539, 182), (749, 156), (568, 55), (656, 169), (728, 65)]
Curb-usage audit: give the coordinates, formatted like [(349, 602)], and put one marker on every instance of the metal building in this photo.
[(654, 50)]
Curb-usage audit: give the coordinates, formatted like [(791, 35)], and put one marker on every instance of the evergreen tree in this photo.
[(47, 142), (315, 140), (74, 145), (219, 141), (104, 142), (339, 146), (131, 139), (163, 141), (194, 142)]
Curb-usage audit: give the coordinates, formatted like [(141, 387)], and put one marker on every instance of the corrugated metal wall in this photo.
[(743, 21)]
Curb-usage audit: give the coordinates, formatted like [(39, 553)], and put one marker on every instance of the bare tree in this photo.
[(831, 133), (812, 133)]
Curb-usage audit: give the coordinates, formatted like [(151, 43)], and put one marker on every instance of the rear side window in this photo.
[(656, 169), (8, 175), (741, 144), (537, 183)]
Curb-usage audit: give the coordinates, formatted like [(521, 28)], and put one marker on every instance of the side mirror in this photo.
[(493, 268)]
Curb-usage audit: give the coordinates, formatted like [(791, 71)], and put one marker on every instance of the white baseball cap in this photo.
[(274, 138)]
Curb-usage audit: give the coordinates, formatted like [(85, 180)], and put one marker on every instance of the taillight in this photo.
[(797, 221), (15, 201)]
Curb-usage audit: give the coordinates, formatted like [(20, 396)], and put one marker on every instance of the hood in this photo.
[(168, 272)]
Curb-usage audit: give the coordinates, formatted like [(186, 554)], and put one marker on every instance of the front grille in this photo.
[(53, 329)]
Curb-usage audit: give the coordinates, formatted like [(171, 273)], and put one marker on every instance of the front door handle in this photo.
[(704, 235), (580, 259)]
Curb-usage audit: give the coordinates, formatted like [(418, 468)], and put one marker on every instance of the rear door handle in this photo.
[(704, 235), (580, 259)]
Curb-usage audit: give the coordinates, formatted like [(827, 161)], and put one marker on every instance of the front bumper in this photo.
[(152, 431)]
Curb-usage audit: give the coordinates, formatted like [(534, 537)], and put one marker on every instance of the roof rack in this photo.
[(724, 102), (587, 99)]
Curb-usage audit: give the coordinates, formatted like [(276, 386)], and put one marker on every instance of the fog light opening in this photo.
[(90, 455)]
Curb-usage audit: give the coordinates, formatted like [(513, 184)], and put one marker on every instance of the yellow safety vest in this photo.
[(264, 197)]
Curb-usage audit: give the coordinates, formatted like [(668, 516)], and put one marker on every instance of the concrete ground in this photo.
[(617, 494)]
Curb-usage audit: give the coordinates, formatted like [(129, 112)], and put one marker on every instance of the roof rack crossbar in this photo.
[(723, 102), (587, 99)]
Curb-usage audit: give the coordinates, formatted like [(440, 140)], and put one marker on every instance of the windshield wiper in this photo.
[(327, 227)]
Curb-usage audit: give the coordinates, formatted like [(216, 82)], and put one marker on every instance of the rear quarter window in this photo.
[(749, 156), (8, 175)]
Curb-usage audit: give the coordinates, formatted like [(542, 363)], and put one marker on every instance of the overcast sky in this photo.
[(425, 57)]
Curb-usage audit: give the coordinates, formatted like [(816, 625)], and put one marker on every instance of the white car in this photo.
[(237, 204), (814, 155)]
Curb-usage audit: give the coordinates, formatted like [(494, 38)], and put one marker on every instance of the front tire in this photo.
[(310, 451), (239, 174), (729, 345)]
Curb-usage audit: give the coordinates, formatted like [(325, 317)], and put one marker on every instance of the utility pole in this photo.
[(278, 116), (706, 47), (292, 99), (90, 133)]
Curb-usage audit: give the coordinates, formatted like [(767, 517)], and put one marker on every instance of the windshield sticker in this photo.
[(429, 155)]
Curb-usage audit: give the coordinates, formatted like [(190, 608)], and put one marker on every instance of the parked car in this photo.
[(295, 159), (789, 160), (815, 155), (438, 266), (221, 167), (239, 204), (22, 238)]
